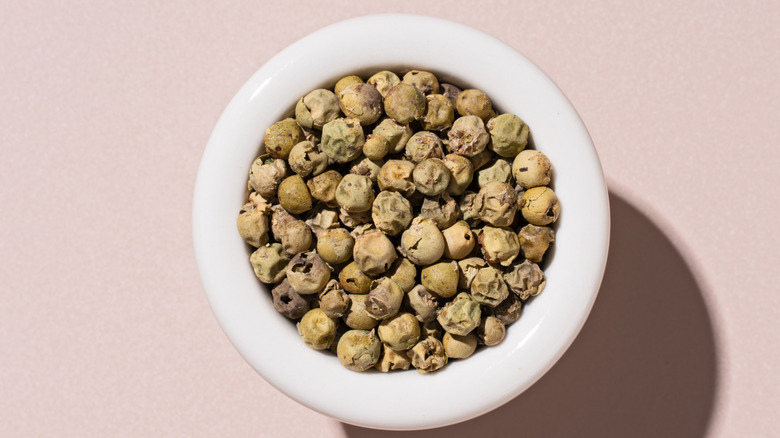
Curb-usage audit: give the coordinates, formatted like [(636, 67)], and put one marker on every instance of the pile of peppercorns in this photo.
[(407, 246)]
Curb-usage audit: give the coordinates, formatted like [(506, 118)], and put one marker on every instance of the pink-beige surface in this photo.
[(106, 109)]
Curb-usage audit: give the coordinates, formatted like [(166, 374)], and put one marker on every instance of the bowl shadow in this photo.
[(644, 364)]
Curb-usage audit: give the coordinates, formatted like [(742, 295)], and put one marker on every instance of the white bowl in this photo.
[(401, 400)]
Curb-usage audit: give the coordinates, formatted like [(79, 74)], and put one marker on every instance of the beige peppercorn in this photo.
[(353, 280), (499, 245), (396, 134), (281, 137), (317, 329), (383, 81), (316, 109), (323, 187), (404, 103), (431, 177), (355, 193), (461, 315), (496, 204), (252, 224), (474, 102), (356, 316), (359, 350), (375, 147), (306, 159), (364, 166), (307, 273), (468, 270), (468, 136), (333, 300), (399, 332), (403, 272), (532, 169), (540, 206), (396, 175), (269, 263), (424, 303), (491, 331), (425, 81), (488, 287), (384, 300), (422, 145), (422, 243), (498, 170), (374, 253), (428, 355), (391, 212), (459, 241), (296, 238), (459, 347), (439, 113), (362, 102), (392, 360), (525, 279), (345, 82), (462, 172), (266, 174)]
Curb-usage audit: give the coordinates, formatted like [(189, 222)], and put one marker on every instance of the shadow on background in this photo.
[(644, 364)]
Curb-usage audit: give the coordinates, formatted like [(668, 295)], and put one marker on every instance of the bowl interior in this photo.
[(401, 400)]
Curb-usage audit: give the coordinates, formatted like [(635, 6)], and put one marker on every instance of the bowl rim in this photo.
[(504, 372)]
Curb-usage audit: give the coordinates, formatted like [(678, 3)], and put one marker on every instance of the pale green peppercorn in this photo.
[(307, 273), (425, 81), (399, 332), (428, 355), (356, 316), (403, 272), (441, 209), (459, 347), (345, 82), (468, 208), (359, 350), (362, 102), (296, 238), (317, 329), (269, 263), (396, 134), (355, 193), (459, 241), (333, 300), (422, 243), (288, 302), (252, 224), (499, 170), (335, 246), (469, 268), (322, 219), (532, 169), (462, 172), (540, 206), (509, 310), (366, 167), (461, 315), (396, 175), (294, 196), (352, 220), (376, 147), (391, 212), (392, 360), (323, 187), (281, 137), (316, 109), (441, 278), (385, 299), (508, 134), (474, 102), (405, 103), (534, 241), (306, 159), (266, 174), (491, 331), (439, 113), (424, 303), (468, 136), (431, 177), (499, 245), (488, 287), (422, 145), (525, 279), (496, 204), (374, 252), (383, 81), (342, 139)]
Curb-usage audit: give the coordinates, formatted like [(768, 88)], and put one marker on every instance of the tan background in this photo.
[(104, 113)]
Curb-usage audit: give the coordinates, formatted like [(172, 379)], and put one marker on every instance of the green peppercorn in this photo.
[(383, 81), (496, 204), (468, 136), (441, 278), (355, 193), (425, 81), (359, 350), (317, 329), (491, 331), (441, 209), (296, 237), (525, 279), (392, 360), (356, 316), (474, 102), (252, 224), (488, 287), (396, 175), (462, 173), (345, 82), (422, 243), (460, 316), (353, 280), (333, 300), (308, 273), (396, 134), (399, 332), (431, 177), (306, 159), (422, 145), (316, 109), (391, 212), (281, 137), (439, 113), (498, 170), (405, 103), (459, 347), (342, 139), (508, 134), (335, 246), (509, 310), (269, 263), (403, 272), (534, 241), (499, 245), (362, 102), (384, 300), (428, 355), (376, 147), (323, 187), (294, 196)]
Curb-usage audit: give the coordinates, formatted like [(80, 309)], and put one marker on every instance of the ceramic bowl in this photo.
[(464, 388)]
